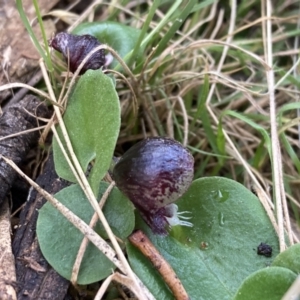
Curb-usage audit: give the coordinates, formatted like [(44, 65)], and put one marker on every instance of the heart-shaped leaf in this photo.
[(269, 283), (214, 257), (290, 259), (120, 37), (92, 119), (60, 240)]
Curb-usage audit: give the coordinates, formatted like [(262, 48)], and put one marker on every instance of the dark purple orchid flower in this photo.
[(76, 48), (153, 174)]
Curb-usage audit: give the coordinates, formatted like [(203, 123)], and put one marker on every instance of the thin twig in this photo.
[(142, 242)]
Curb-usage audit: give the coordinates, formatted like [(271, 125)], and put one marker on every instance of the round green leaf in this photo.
[(289, 259), (214, 256), (270, 283), (120, 37), (92, 119), (59, 240)]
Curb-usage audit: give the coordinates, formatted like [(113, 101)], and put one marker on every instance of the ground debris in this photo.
[(16, 119), (35, 277), (7, 261)]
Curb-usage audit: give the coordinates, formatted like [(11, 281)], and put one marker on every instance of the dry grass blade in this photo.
[(121, 279), (77, 222), (185, 122), (279, 192), (141, 291), (22, 132), (29, 87), (224, 57), (293, 292), (82, 180), (115, 55), (85, 240), (231, 144)]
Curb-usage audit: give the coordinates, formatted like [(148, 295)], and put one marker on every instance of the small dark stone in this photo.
[(264, 249)]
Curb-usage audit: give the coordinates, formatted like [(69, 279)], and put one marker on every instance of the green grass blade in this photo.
[(254, 125), (163, 44), (203, 115), (145, 28), (196, 150), (39, 17), (162, 23), (29, 29), (289, 149), (259, 155)]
